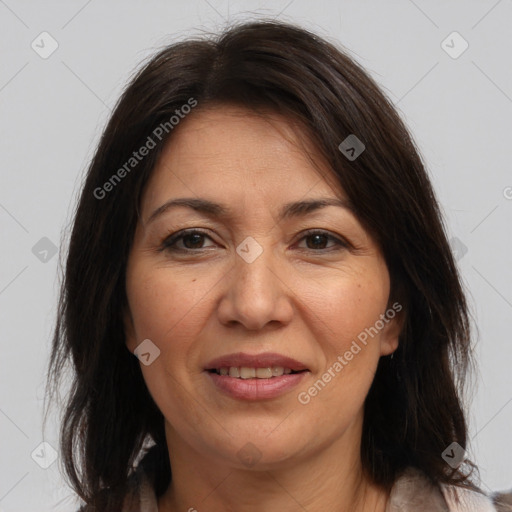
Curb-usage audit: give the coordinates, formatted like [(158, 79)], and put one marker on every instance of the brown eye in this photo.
[(191, 240), (317, 240)]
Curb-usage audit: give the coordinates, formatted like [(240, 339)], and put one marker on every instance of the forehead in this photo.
[(233, 153)]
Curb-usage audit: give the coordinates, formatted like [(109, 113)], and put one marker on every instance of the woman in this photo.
[(258, 230)]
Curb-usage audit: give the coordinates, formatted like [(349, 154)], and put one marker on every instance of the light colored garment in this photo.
[(412, 492)]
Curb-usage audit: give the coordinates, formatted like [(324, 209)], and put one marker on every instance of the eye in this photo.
[(191, 238), (319, 238)]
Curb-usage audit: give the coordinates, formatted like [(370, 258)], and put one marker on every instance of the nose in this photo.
[(256, 293)]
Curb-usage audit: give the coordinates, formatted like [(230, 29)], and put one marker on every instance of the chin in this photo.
[(258, 450)]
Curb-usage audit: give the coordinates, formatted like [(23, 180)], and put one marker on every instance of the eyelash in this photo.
[(169, 243)]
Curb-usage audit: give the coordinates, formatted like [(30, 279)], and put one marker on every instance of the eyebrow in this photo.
[(216, 210)]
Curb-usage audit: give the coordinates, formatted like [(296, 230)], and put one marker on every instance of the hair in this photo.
[(414, 409)]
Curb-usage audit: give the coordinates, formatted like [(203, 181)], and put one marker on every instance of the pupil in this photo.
[(198, 239), (316, 237)]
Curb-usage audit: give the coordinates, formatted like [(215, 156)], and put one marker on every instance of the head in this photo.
[(252, 120)]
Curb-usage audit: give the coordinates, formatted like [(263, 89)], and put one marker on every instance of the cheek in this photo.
[(165, 305), (169, 309), (346, 315), (350, 306)]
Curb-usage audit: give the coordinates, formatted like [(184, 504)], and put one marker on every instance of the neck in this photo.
[(331, 479)]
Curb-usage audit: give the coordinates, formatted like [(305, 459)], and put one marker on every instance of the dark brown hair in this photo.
[(415, 407)]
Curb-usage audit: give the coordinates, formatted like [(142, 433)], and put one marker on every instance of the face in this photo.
[(204, 284)]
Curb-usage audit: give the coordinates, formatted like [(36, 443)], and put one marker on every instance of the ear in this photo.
[(394, 322)]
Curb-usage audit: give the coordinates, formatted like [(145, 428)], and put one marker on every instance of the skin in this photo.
[(306, 298)]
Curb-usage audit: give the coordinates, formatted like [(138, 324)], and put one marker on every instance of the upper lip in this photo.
[(264, 360)]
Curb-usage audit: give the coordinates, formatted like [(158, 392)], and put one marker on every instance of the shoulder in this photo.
[(140, 497), (413, 491), (460, 499), (503, 501)]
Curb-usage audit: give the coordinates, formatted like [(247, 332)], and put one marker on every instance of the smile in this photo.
[(253, 388), (245, 372)]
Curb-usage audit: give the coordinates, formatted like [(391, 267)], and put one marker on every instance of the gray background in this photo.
[(53, 110)]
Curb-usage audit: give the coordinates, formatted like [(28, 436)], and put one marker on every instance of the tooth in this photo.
[(263, 373), (247, 373), (277, 371)]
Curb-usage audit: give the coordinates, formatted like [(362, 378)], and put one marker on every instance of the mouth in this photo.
[(245, 372), (254, 384), (255, 376), (263, 366)]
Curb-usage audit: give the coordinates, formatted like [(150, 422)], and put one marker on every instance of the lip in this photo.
[(263, 360), (256, 389)]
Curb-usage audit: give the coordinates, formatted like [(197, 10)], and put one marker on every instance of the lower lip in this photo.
[(256, 389)]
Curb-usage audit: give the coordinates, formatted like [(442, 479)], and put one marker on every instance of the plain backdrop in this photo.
[(457, 102)]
